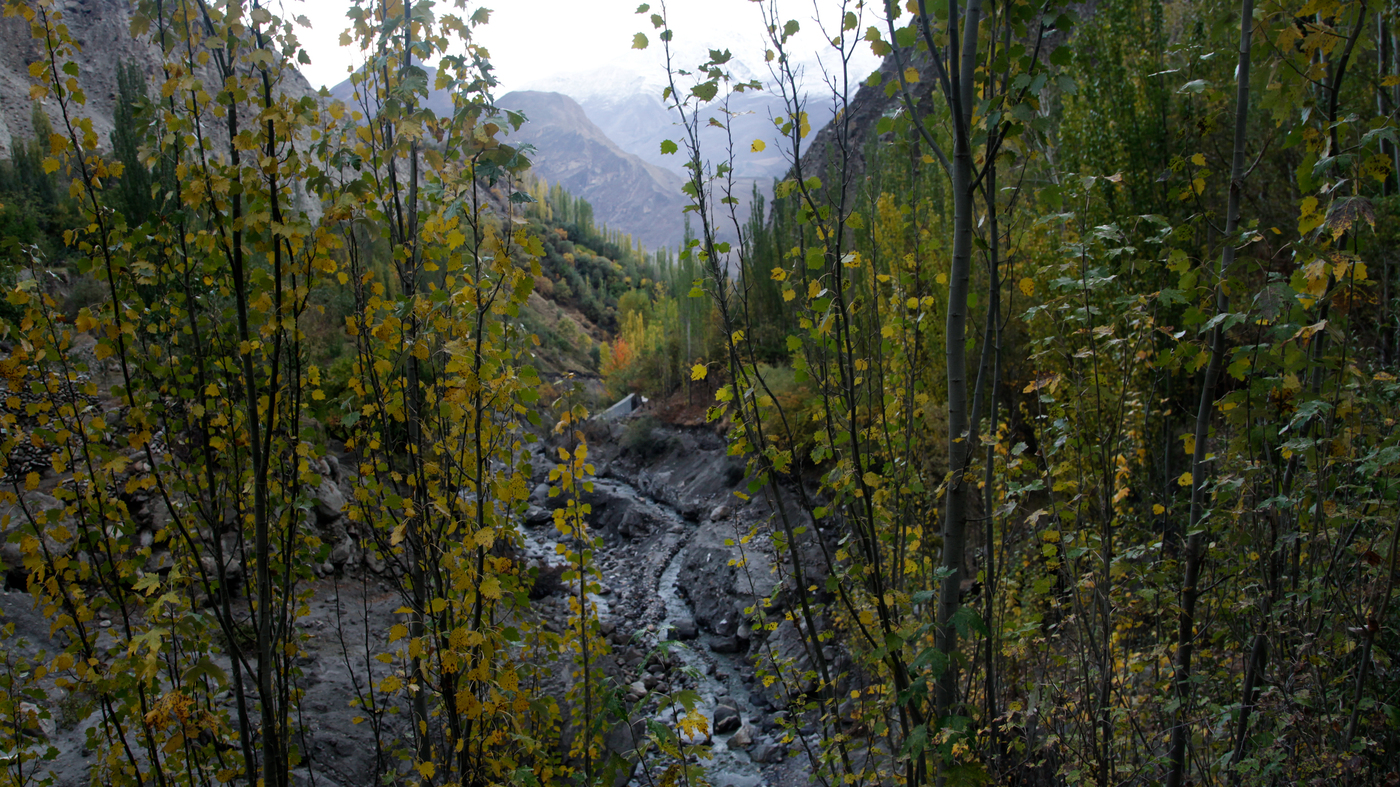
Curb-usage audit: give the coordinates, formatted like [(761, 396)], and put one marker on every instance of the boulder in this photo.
[(727, 719), (768, 751), (684, 629), (328, 501), (727, 645)]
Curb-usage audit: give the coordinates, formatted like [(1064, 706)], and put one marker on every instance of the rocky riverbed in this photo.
[(675, 587)]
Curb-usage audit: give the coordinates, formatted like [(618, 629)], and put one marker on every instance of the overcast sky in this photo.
[(540, 42)]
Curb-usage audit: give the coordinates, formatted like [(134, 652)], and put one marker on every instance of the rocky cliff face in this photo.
[(102, 30), (627, 193)]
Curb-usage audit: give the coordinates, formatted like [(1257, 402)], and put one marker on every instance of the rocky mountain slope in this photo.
[(627, 193), (102, 29)]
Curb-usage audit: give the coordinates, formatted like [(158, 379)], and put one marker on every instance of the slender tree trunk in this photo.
[(1258, 654), (955, 353), (1195, 533)]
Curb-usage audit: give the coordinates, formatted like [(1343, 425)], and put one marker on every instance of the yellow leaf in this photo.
[(779, 274), (1027, 287), (911, 75), (50, 165), (789, 294), (1307, 331), (1199, 160), (427, 769), (1159, 509), (698, 371), (1185, 479), (397, 632), (757, 146), (491, 588)]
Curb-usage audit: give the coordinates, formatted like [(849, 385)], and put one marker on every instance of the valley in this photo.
[(875, 394)]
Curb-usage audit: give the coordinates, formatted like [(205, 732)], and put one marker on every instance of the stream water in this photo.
[(654, 577)]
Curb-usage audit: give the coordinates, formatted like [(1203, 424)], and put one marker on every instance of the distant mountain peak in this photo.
[(627, 193)]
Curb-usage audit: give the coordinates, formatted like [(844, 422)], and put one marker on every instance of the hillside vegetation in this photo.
[(1063, 365)]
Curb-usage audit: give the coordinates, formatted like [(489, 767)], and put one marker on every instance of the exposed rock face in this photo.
[(627, 193), (102, 28)]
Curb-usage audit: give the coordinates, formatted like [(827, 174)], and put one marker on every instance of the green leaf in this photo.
[(916, 742), (639, 41), (966, 619), (790, 29), (667, 147)]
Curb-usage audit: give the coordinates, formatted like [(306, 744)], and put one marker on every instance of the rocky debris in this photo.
[(650, 551)]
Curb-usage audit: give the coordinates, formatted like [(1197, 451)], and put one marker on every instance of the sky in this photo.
[(539, 43)]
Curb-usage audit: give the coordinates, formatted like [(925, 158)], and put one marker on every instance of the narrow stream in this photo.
[(718, 678)]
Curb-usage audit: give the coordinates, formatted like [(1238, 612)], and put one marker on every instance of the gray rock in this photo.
[(636, 690), (343, 552), (684, 629), (160, 560), (743, 739), (374, 562), (36, 721), (768, 751), (328, 500), (726, 645), (727, 719)]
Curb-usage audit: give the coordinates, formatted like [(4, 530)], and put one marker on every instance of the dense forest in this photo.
[(1062, 368)]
